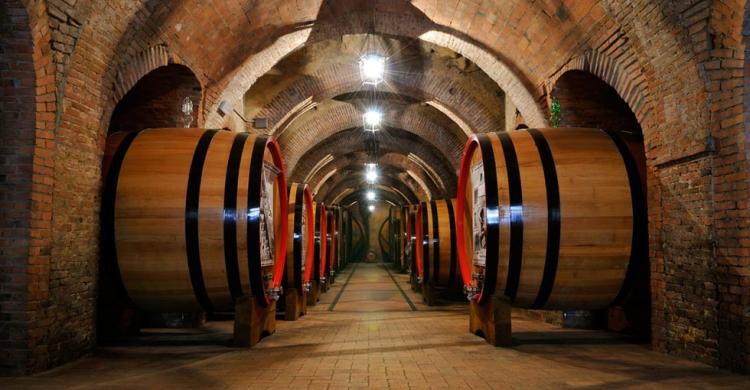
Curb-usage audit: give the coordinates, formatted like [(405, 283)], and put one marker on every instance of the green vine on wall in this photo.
[(554, 117)]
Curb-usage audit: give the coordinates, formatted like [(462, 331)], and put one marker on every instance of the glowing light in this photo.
[(370, 195), (372, 119), (371, 208), (371, 173), (372, 69)]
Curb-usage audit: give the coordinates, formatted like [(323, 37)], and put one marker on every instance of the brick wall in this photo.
[(17, 111)]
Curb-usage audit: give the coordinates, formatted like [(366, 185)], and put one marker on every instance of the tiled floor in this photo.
[(368, 335)]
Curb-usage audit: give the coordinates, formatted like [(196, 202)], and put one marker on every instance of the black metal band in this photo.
[(192, 204), (413, 240), (317, 247), (253, 218), (516, 215), (553, 218), (425, 240), (109, 200), (231, 182), (492, 255), (454, 250), (329, 242), (297, 249), (435, 244), (639, 241)]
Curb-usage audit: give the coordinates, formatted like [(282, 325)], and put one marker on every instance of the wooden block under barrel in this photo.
[(491, 320), (252, 321)]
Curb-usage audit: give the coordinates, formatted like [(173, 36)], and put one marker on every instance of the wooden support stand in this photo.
[(415, 285), (491, 320), (295, 304), (314, 295), (252, 321), (429, 294)]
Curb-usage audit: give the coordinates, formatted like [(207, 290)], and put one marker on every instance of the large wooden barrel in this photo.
[(193, 218), (300, 241), (551, 218), (437, 253)]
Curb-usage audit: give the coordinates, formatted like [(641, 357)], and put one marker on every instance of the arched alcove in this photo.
[(587, 101), (156, 100)]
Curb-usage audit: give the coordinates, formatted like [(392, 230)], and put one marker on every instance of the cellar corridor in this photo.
[(374, 193), (363, 333)]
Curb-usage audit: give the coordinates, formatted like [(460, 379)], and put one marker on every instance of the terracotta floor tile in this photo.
[(373, 338)]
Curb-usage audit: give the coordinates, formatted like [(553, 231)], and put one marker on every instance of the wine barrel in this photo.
[(190, 218), (551, 218), (299, 251), (437, 254)]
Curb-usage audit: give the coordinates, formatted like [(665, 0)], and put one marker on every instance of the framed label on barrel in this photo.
[(479, 217), (266, 215)]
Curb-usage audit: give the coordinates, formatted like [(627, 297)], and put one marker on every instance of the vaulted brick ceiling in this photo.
[(314, 100)]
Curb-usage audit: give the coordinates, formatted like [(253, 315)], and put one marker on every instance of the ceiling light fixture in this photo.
[(371, 207), (371, 173), (370, 195), (372, 119), (372, 69)]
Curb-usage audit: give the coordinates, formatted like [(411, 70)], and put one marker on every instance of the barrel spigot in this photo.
[(477, 276), (419, 279), (322, 279), (275, 292), (268, 277), (331, 273), (472, 292), (306, 287)]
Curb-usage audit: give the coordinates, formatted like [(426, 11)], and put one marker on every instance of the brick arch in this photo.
[(346, 180), (435, 81), (129, 73), (352, 162), (588, 101), (382, 194), (392, 140), (380, 22), (429, 86), (303, 135), (155, 98), (630, 83)]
